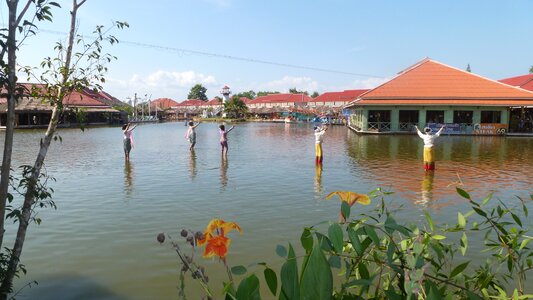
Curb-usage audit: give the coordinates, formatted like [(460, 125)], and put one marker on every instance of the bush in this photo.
[(380, 258)]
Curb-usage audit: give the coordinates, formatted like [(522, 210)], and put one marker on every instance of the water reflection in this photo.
[(318, 180), (192, 164), (223, 170), (128, 177), (427, 189), (479, 164)]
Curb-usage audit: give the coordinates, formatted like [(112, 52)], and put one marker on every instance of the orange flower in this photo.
[(215, 237), (350, 197), (218, 246)]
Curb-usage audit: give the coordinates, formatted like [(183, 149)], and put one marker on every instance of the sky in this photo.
[(275, 45)]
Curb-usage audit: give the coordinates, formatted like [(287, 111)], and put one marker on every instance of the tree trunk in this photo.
[(29, 196), (10, 124), (29, 201)]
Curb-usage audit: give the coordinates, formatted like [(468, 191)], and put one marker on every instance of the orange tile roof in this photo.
[(164, 103), (192, 102), (432, 83), (346, 95), (274, 98), (525, 81), (214, 101)]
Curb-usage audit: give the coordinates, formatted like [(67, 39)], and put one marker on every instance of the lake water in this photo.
[(100, 242)]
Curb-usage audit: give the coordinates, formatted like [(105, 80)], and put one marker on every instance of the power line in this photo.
[(224, 56)]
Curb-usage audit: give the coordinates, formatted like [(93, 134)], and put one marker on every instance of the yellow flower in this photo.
[(350, 197)]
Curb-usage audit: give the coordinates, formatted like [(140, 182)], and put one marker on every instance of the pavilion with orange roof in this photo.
[(430, 93)]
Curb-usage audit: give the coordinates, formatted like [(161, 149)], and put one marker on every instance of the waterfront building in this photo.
[(334, 101), (430, 93), (164, 108), (96, 107), (277, 105)]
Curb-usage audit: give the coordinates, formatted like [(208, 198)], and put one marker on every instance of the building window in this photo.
[(408, 119), (409, 116), (491, 116), (462, 116), (435, 116), (379, 120)]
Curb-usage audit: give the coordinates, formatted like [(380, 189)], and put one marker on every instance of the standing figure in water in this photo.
[(191, 134), (224, 138), (319, 136), (429, 153), (128, 139)]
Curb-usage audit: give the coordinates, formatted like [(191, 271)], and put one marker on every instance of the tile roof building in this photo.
[(432, 93), (98, 107)]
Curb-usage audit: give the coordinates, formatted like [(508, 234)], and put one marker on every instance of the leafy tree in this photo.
[(235, 107), (219, 99), (468, 69), (295, 91), (250, 94), (531, 70), (198, 92), (315, 94), (260, 94), (60, 76)]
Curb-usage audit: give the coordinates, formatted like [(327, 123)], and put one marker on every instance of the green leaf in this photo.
[(363, 271), (472, 296), (516, 219), (317, 279), (307, 240), (238, 270), (461, 221), (272, 280), (345, 210), (438, 237), (336, 237), (281, 251), (464, 244), (249, 288), (430, 220), (354, 238), (335, 261), (372, 234), (463, 193), (459, 269), (324, 242), (289, 277), (524, 243)]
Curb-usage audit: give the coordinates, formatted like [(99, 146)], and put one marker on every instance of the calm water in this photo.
[(100, 242)]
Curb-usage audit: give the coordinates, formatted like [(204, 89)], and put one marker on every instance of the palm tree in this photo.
[(235, 107)]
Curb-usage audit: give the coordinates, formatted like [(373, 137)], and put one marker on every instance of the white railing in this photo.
[(407, 126), (379, 126)]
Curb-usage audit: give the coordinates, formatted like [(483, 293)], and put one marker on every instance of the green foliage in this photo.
[(235, 107), (264, 93), (315, 94), (373, 256), (295, 91), (198, 92), (250, 94)]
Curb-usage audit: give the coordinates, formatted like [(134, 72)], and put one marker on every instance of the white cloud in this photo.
[(288, 82), (368, 83), (161, 84)]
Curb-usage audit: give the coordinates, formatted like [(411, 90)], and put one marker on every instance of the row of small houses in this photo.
[(428, 93), (269, 106)]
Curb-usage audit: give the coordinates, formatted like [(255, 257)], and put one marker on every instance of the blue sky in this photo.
[(373, 40)]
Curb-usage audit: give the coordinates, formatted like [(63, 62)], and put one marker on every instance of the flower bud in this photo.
[(161, 238)]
